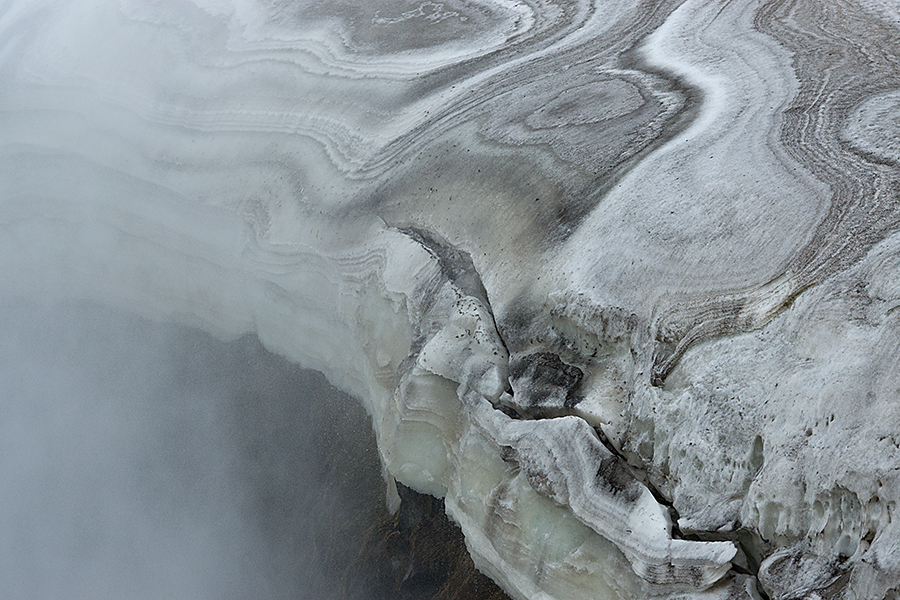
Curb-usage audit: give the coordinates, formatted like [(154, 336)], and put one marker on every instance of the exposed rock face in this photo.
[(616, 280)]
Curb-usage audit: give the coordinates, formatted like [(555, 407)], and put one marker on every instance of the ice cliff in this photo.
[(617, 280)]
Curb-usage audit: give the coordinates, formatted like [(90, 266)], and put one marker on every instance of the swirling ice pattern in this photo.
[(675, 221)]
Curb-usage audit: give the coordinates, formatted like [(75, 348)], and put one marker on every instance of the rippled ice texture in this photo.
[(616, 280)]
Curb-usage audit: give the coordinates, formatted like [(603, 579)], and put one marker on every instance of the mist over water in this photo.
[(141, 460)]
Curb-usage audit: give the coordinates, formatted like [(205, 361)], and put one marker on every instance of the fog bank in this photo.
[(142, 460)]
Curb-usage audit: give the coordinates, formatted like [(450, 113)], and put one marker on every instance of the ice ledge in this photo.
[(457, 370)]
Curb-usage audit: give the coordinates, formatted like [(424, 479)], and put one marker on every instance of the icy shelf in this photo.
[(616, 280)]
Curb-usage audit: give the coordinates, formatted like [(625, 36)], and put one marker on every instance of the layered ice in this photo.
[(614, 279)]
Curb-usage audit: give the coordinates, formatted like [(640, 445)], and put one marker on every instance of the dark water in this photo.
[(142, 460)]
